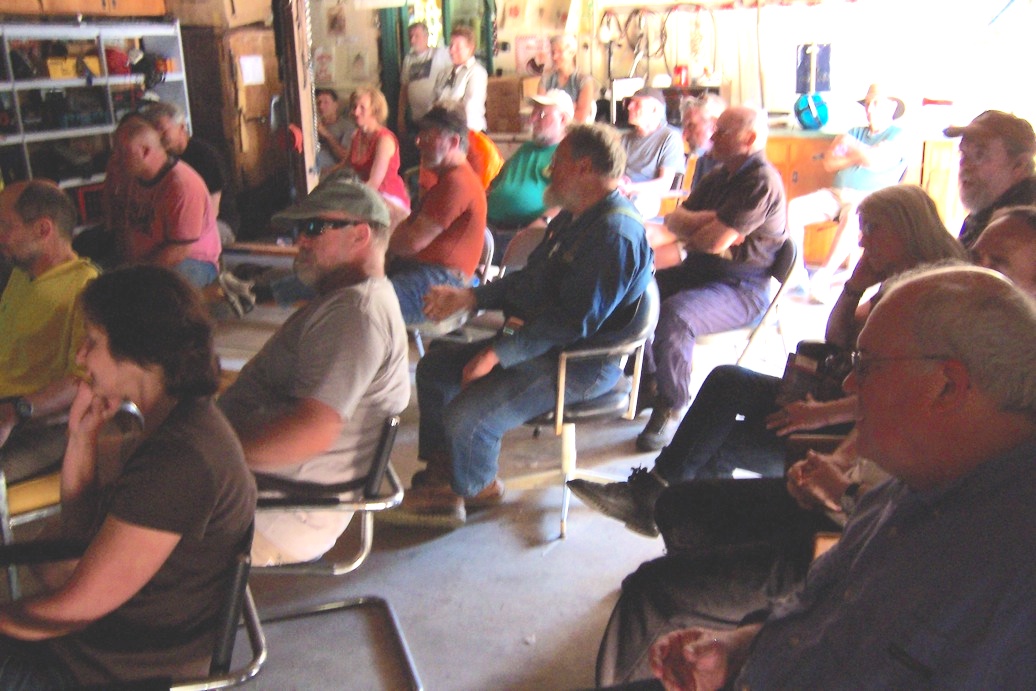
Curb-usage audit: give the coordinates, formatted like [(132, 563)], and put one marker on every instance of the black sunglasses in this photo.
[(315, 227)]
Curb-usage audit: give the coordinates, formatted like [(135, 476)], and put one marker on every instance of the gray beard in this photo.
[(308, 275)]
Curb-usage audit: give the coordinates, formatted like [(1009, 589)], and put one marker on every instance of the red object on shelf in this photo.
[(117, 60)]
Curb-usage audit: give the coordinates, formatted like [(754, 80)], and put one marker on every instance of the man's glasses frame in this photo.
[(859, 363)]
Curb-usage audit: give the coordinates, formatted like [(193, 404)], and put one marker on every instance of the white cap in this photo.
[(557, 98)]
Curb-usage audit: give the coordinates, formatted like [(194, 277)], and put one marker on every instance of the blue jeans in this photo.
[(711, 441), (412, 280), (198, 273), (466, 426), (29, 666)]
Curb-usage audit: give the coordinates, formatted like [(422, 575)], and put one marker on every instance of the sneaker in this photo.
[(655, 436), (427, 507), (491, 495), (632, 502)]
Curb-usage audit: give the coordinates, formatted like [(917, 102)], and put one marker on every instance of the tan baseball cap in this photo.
[(1016, 133)]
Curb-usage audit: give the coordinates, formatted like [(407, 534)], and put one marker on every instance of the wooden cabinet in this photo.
[(800, 162), (89, 8), (59, 105), (26, 7)]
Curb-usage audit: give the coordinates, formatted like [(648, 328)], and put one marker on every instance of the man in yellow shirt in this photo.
[(40, 325)]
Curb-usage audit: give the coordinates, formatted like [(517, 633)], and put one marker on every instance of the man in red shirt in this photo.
[(441, 241), (165, 215)]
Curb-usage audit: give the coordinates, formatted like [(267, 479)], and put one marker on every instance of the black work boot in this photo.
[(632, 502), (655, 434)]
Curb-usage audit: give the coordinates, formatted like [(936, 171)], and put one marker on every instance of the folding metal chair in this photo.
[(276, 495)]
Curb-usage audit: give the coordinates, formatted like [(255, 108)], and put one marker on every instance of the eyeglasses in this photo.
[(861, 363), (315, 227)]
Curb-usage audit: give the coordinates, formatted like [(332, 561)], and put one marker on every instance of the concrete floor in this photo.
[(501, 603)]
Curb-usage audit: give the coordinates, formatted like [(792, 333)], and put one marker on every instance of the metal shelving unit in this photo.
[(60, 127)]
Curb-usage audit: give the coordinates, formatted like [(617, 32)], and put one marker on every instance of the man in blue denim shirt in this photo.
[(594, 262), (932, 584)]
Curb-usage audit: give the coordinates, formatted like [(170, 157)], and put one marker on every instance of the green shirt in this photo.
[(516, 196)]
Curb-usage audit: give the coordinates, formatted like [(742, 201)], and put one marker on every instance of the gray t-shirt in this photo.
[(420, 72), (346, 349), (646, 155), (342, 129)]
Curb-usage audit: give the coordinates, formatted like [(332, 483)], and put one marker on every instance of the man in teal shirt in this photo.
[(515, 199)]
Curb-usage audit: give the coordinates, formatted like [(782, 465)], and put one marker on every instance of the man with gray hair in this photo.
[(594, 264), (309, 406), (699, 122), (421, 68), (40, 324), (731, 226), (931, 584), (654, 152), (996, 168), (169, 119), (515, 198)]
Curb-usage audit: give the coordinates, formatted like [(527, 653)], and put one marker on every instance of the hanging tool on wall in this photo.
[(608, 32)]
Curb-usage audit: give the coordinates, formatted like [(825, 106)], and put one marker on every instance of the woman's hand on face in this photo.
[(89, 411), (864, 276)]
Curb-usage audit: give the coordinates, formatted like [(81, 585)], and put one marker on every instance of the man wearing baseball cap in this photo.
[(441, 241), (996, 168), (309, 406), (515, 199), (654, 152)]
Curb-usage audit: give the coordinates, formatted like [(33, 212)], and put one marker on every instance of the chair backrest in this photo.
[(230, 614), (784, 263), (641, 323), (381, 457), (521, 246), (485, 260)]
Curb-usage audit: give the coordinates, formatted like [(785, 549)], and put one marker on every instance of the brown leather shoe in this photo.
[(491, 495), (427, 507)]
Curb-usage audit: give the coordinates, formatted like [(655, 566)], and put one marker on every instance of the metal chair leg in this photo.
[(378, 603)]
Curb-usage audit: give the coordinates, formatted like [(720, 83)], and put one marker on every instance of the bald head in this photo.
[(140, 147), (740, 132), (946, 376)]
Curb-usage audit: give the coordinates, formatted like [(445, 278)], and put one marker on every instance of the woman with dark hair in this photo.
[(164, 511)]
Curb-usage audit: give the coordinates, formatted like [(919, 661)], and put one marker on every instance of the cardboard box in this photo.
[(68, 68), (505, 99), (225, 14)]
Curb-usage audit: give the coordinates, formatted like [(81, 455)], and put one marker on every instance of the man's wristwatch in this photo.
[(23, 408)]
